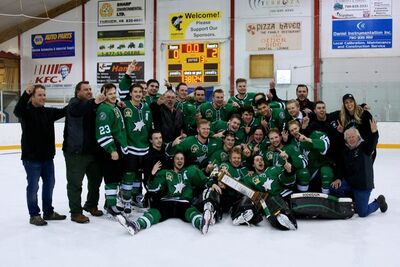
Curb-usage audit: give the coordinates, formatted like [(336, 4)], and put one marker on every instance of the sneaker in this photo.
[(383, 206), (54, 217), (243, 218), (113, 211), (37, 220), (94, 211), (79, 218)]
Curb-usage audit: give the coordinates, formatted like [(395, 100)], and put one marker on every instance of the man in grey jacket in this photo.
[(80, 152)]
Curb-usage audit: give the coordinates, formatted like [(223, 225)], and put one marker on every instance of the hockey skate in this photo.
[(112, 211), (139, 202), (131, 226), (127, 206), (207, 218), (244, 218)]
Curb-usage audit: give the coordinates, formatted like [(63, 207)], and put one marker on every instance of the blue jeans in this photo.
[(360, 197), (34, 170)]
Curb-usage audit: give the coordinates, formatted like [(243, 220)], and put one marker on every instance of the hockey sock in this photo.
[(194, 216), (126, 186), (111, 194), (149, 218)]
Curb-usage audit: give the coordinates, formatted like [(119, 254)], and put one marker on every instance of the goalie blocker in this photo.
[(322, 206)]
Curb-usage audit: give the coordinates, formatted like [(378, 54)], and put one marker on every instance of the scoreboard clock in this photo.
[(193, 63)]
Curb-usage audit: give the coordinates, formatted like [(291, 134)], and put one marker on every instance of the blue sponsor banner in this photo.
[(362, 34), (58, 44)]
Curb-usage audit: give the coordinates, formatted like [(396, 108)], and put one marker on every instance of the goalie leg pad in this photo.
[(323, 206)]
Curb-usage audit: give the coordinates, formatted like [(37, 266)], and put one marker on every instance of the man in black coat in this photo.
[(81, 152), (38, 150), (356, 172)]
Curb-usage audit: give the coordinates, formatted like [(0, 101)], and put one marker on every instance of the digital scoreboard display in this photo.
[(193, 63)]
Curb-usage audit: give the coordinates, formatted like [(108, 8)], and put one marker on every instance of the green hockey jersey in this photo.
[(210, 113), (138, 122), (110, 128), (267, 181), (197, 152), (246, 101)]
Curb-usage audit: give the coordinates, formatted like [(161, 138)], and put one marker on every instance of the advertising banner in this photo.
[(120, 43), (54, 76), (195, 25), (116, 13), (362, 34), (57, 44), (273, 36), (275, 8), (112, 72), (357, 9)]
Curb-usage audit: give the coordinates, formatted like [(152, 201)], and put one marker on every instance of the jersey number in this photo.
[(104, 129)]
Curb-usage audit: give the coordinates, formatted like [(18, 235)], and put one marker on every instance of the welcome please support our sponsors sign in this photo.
[(195, 25)]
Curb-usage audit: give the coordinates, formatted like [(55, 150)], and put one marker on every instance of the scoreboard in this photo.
[(193, 63)]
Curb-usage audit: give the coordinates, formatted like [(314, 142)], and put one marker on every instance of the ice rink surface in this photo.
[(371, 241)]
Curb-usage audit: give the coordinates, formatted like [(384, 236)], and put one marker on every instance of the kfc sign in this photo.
[(51, 73)]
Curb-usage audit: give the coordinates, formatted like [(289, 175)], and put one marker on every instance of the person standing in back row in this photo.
[(38, 150), (81, 152)]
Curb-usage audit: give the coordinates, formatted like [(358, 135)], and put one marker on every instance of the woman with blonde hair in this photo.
[(353, 115)]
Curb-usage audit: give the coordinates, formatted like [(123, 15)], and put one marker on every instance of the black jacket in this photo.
[(79, 130), (356, 167), (37, 123), (170, 123), (152, 157)]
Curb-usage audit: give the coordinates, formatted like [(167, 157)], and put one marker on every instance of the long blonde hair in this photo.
[(344, 115)]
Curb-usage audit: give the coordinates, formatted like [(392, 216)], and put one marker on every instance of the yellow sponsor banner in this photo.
[(195, 25)]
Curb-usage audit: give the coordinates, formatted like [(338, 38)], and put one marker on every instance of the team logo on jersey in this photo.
[(204, 148), (256, 180), (127, 113), (194, 148), (102, 116), (281, 115), (269, 156), (168, 176), (209, 114), (224, 156)]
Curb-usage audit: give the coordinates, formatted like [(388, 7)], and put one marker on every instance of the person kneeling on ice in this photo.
[(171, 197), (357, 171)]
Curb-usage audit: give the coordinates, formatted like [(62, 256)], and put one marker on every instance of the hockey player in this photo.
[(271, 118), (314, 149), (249, 121), (111, 136), (138, 121), (172, 192), (259, 144), (240, 207), (243, 98), (289, 157), (219, 127), (222, 155), (197, 148), (217, 109)]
